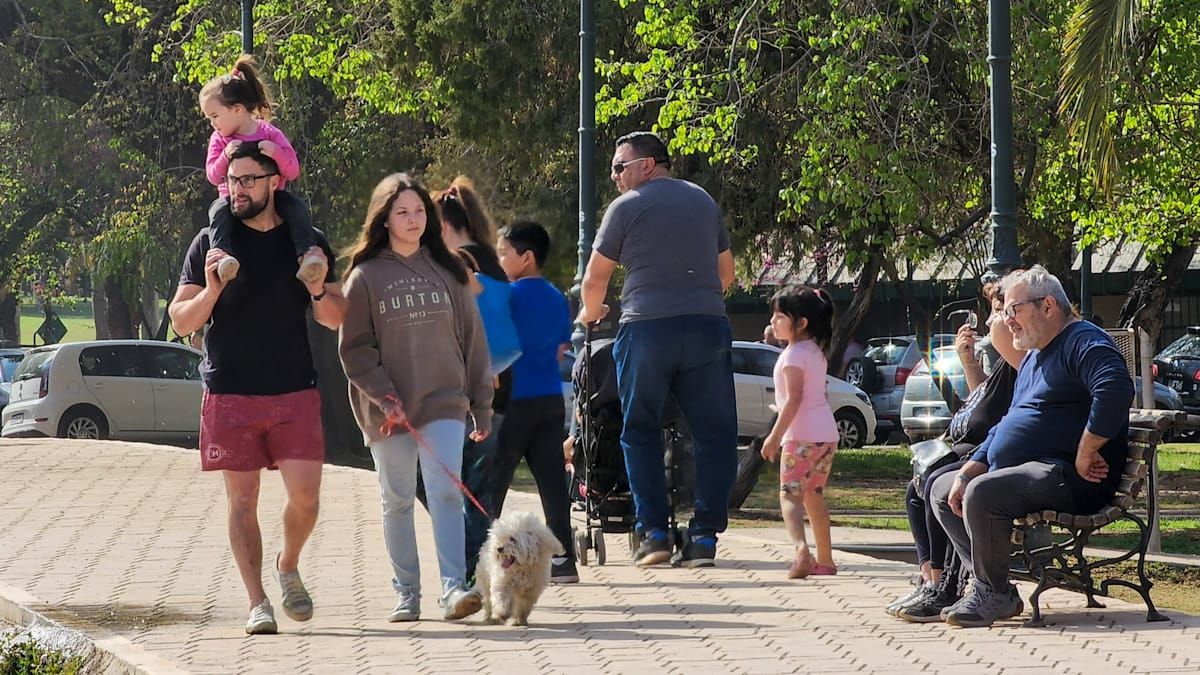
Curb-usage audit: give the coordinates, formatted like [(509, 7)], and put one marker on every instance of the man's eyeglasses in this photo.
[(1010, 312), (618, 168), (248, 180)]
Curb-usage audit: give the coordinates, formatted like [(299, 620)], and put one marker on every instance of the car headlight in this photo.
[(863, 397)]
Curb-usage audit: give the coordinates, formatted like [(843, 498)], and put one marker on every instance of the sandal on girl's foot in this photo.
[(824, 570), (801, 567)]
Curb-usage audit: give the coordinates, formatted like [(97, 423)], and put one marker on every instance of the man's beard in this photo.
[(249, 210), (1027, 340)]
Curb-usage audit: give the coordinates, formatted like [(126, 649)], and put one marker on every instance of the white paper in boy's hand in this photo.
[(773, 408)]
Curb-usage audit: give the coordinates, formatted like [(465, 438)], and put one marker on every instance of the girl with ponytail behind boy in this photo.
[(239, 107), (805, 431)]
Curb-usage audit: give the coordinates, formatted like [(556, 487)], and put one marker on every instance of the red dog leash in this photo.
[(389, 425)]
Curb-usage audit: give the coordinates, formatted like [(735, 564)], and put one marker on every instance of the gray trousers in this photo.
[(982, 536)]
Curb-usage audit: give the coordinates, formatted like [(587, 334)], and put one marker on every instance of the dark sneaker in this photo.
[(985, 606), (562, 571), (928, 608), (655, 549), (699, 552), (917, 593), (297, 603)]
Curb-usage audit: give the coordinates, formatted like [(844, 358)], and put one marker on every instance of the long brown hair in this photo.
[(374, 236), (461, 207), (243, 86)]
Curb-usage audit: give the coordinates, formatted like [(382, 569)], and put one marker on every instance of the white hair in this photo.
[(1040, 282)]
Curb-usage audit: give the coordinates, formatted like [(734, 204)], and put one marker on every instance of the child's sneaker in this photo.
[(654, 549), (562, 571), (262, 620), (699, 552), (312, 268), (227, 268)]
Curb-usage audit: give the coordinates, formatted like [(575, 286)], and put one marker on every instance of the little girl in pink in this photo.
[(805, 430)]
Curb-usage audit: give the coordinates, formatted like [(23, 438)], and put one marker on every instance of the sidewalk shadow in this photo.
[(1069, 620), (628, 630), (689, 608)]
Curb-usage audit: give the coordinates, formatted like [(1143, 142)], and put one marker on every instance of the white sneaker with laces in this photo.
[(408, 606), (262, 620), (297, 603)]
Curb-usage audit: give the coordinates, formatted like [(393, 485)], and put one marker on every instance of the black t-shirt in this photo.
[(489, 264), (983, 409), (257, 338)]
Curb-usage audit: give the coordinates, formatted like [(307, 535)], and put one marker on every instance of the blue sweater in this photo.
[(543, 321), (1078, 381)]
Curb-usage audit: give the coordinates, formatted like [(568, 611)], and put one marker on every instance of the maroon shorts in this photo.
[(248, 433)]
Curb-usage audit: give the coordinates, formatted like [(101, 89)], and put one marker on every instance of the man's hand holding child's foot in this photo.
[(313, 268)]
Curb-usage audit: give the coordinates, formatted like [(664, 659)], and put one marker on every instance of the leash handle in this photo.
[(390, 424)]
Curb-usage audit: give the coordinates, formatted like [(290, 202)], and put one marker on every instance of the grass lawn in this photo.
[(79, 328)]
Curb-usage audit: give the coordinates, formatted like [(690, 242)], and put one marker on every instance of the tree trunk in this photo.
[(1147, 299), (920, 317), (100, 310), (860, 304), (119, 317), (10, 316)]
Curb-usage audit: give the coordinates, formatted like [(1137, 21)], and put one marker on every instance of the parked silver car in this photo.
[(883, 370), (10, 359), (924, 413)]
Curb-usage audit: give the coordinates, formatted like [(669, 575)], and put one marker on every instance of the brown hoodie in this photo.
[(413, 332)]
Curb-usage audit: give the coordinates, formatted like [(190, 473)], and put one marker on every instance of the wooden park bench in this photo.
[(1048, 546)]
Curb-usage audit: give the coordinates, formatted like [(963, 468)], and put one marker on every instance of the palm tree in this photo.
[(1095, 50)]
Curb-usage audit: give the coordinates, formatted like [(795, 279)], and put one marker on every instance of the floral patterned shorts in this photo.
[(805, 466)]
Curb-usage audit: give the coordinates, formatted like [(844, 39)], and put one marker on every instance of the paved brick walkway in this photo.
[(127, 543)]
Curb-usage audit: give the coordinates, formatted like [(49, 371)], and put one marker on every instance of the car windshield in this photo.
[(1187, 346), (34, 365), (945, 361), (886, 352), (8, 366)]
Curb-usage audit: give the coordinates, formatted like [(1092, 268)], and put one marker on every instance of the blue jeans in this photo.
[(689, 358), (396, 466)]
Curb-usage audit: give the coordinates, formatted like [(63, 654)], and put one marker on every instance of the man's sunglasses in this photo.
[(619, 167)]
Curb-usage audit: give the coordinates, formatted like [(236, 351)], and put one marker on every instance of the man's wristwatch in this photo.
[(318, 297)]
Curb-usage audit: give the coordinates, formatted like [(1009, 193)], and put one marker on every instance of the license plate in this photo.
[(925, 412), (1177, 385), (17, 417)]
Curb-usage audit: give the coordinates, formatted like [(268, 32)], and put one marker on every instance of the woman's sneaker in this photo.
[(928, 608), (262, 620), (917, 593), (408, 606), (460, 602)]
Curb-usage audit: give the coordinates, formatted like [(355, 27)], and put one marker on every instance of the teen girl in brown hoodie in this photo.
[(413, 345)]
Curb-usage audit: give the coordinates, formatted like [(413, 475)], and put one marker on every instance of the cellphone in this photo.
[(970, 317)]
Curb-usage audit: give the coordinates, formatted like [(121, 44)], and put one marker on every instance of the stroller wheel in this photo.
[(581, 547), (598, 541), (633, 542)]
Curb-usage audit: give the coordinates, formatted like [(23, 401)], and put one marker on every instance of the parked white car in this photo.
[(754, 388), (124, 389)]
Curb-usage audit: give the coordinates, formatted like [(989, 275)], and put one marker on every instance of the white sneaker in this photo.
[(312, 268), (408, 606), (461, 603), (228, 268), (262, 620)]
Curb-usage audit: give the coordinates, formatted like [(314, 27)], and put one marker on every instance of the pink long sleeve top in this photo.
[(217, 164)]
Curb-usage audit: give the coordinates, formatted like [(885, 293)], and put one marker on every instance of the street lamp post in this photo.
[(247, 26), (1005, 254), (587, 144)]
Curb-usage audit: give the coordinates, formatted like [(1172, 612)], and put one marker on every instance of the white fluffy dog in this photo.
[(514, 567)]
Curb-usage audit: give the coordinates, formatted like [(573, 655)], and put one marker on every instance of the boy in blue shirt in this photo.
[(533, 426)]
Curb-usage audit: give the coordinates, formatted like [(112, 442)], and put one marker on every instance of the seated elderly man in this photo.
[(1060, 446)]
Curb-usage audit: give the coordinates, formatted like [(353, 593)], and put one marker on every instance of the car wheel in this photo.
[(852, 428), (83, 422), (861, 373)]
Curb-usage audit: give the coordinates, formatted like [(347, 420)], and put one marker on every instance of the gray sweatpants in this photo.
[(982, 536), (396, 465)]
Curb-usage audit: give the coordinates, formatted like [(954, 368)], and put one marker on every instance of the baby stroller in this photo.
[(604, 486)]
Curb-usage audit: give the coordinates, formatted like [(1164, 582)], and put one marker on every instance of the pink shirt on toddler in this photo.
[(217, 165), (813, 422)]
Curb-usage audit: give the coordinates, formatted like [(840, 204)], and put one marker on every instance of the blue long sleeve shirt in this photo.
[(1079, 381)]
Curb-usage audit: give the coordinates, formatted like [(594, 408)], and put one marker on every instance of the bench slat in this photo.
[(1144, 435)]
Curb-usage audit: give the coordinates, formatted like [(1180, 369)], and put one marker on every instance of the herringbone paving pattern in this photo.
[(129, 540)]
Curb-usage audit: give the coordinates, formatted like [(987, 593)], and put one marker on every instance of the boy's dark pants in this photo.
[(533, 429)]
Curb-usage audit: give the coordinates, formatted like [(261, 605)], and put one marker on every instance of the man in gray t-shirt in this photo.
[(674, 339)]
